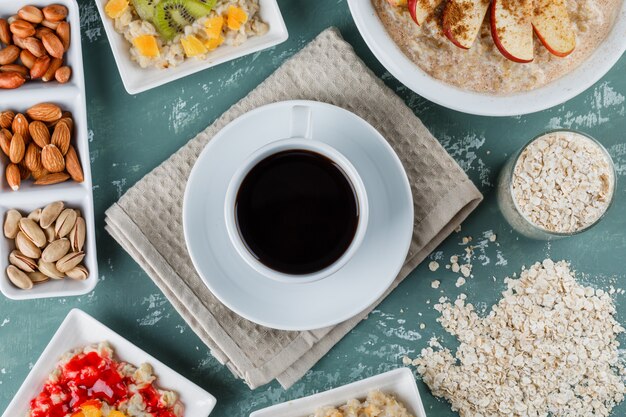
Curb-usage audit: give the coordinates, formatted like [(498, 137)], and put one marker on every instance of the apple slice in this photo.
[(462, 20), (420, 9), (554, 27), (512, 29)]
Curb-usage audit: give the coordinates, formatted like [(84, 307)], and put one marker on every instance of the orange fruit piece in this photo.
[(211, 44), (115, 8), (147, 45), (236, 17), (193, 46), (213, 27)]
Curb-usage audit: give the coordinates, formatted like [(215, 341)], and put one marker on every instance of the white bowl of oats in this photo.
[(455, 52), (155, 42)]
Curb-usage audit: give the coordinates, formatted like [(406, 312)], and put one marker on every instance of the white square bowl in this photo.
[(79, 329), (400, 383), (71, 97), (137, 80)]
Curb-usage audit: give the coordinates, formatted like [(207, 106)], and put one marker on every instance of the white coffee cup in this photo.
[(301, 139)]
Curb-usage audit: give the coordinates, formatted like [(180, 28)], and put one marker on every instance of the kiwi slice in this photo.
[(171, 16), (208, 3), (145, 8)]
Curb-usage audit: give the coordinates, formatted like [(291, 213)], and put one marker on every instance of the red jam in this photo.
[(89, 378)]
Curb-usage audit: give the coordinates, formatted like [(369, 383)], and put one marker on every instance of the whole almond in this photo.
[(30, 14), (20, 69), (45, 112), (9, 55), (70, 261), (68, 121), (78, 235), (24, 171), (13, 176), (63, 74), (6, 119), (33, 232), (40, 174), (11, 80), (39, 32), (73, 166), (53, 44), (22, 28), (37, 277), (26, 246), (50, 213), (19, 278), (50, 25), (27, 58), (5, 141), (12, 223), (52, 158), (56, 250), (32, 159), (55, 12), (19, 42), (17, 149), (20, 125), (52, 69), (61, 137), (79, 272), (40, 67), (65, 222), (64, 33), (34, 46), (39, 133), (5, 32), (49, 269), (22, 261), (53, 178)]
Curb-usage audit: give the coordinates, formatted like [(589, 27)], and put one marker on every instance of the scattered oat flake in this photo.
[(460, 282), (433, 266), (422, 326), (458, 229), (466, 270), (435, 284), (406, 361), (455, 267)]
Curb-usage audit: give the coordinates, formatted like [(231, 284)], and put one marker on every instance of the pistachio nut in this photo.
[(12, 223), (24, 263), (79, 273), (78, 234), (38, 277), (56, 250), (50, 213), (26, 246), (65, 222), (50, 270), (33, 232), (69, 261), (19, 278), (35, 215)]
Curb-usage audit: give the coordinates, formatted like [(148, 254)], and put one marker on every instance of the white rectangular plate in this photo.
[(78, 330), (400, 383), (137, 80), (70, 96)]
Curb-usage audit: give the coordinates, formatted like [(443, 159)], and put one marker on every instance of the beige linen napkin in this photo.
[(147, 220)]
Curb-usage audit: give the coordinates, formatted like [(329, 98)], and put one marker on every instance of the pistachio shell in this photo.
[(78, 234), (19, 278), (26, 246), (79, 273), (38, 277), (50, 213), (70, 261), (50, 234), (55, 250), (23, 262), (33, 232), (11, 223), (65, 222), (35, 215), (50, 270)]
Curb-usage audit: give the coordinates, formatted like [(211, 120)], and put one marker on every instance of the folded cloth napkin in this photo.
[(147, 220)]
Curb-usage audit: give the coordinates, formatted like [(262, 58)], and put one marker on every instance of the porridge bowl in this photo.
[(487, 89)]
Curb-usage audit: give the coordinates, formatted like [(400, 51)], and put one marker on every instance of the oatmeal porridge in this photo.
[(90, 382), (483, 67), (377, 404)]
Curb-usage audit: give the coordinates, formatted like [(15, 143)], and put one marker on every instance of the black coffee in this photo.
[(297, 212)]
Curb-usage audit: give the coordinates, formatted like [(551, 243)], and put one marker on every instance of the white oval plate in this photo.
[(557, 92), (293, 306)]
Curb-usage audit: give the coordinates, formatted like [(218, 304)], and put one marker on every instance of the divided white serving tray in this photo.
[(400, 383), (71, 97), (137, 80), (80, 329)]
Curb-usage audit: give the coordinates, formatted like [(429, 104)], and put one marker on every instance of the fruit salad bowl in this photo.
[(557, 43), (137, 79)]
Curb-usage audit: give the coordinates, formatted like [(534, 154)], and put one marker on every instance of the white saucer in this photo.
[(293, 306)]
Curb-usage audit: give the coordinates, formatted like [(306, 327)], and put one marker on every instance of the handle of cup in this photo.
[(301, 123)]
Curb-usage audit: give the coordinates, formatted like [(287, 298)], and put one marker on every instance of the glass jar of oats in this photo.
[(561, 183)]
